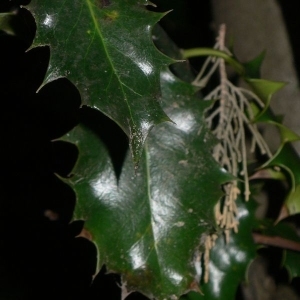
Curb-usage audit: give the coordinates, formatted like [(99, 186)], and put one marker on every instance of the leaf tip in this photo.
[(194, 286)]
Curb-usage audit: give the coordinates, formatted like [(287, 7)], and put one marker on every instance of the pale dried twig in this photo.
[(229, 119), (233, 115)]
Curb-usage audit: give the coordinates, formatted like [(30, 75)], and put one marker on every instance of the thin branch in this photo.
[(276, 241), (195, 52)]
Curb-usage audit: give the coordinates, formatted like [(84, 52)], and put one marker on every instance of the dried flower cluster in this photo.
[(229, 120)]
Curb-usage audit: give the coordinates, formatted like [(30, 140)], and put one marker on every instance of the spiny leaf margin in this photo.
[(108, 53), (161, 212)]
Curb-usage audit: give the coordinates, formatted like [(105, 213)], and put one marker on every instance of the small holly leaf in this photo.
[(288, 159), (264, 89), (267, 116), (252, 67), (105, 49), (148, 225), (284, 159)]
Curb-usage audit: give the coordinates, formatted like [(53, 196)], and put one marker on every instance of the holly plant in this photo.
[(129, 171)]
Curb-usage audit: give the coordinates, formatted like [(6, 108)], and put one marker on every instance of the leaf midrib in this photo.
[(98, 29), (148, 179)]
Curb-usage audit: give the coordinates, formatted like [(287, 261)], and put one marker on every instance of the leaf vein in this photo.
[(89, 4)]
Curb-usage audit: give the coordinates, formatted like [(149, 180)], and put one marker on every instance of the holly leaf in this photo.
[(148, 225), (267, 116), (229, 261), (253, 67), (286, 157), (264, 89), (104, 47)]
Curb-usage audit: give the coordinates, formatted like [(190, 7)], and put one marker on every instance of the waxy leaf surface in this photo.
[(105, 49), (229, 262), (148, 224), (285, 158)]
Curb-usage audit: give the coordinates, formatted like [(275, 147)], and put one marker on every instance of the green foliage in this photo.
[(148, 224), (110, 43), (151, 219), (229, 261)]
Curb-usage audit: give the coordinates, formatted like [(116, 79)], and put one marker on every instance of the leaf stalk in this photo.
[(195, 52)]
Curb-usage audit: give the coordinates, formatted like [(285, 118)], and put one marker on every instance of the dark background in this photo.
[(40, 255)]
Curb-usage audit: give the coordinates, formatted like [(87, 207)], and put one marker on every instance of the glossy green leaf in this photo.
[(267, 116), (229, 262), (191, 296), (264, 90), (285, 158), (288, 159), (148, 225), (104, 47), (162, 41)]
